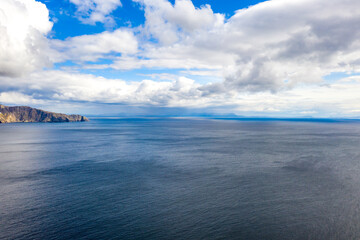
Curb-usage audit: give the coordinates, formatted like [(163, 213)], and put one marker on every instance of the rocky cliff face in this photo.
[(28, 114)]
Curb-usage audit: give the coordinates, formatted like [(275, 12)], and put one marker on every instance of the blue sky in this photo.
[(129, 12), (277, 58)]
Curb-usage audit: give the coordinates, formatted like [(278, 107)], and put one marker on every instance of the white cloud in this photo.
[(18, 98), (59, 85), (93, 11), (271, 46), (206, 73), (164, 20), (23, 43), (284, 43), (271, 57), (53, 87), (181, 30), (92, 47)]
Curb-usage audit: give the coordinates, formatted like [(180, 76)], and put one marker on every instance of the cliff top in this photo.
[(28, 114)]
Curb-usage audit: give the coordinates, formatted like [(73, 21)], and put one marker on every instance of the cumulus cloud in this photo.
[(53, 87), (92, 47), (23, 43), (59, 85), (272, 57), (283, 43), (168, 23), (18, 98), (93, 11), (181, 38), (271, 46)]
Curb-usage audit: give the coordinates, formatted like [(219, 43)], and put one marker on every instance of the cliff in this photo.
[(28, 114)]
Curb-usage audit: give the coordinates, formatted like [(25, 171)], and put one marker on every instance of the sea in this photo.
[(180, 178)]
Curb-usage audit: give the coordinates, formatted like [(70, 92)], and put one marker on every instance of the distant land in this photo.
[(28, 114)]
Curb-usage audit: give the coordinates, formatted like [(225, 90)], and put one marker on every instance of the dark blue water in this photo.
[(180, 179)]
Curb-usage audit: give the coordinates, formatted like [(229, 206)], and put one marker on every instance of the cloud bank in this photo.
[(272, 57)]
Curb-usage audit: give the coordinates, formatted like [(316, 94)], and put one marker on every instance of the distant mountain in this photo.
[(28, 114)]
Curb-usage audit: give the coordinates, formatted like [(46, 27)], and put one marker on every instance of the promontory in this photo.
[(28, 114)]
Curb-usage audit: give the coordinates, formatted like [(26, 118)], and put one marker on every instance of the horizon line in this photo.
[(242, 118)]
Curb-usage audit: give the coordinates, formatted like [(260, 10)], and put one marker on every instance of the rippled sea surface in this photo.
[(180, 179)]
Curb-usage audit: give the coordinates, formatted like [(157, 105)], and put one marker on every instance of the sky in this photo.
[(276, 58)]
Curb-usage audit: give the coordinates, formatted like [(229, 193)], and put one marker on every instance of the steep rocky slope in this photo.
[(28, 114)]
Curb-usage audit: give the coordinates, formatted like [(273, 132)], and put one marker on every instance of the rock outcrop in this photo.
[(28, 114)]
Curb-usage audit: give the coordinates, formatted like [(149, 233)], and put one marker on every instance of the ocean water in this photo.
[(180, 179)]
